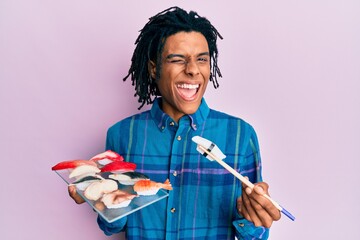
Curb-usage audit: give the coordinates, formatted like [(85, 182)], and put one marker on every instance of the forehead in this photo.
[(186, 43)]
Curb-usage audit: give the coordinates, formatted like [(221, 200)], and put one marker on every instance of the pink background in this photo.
[(291, 68)]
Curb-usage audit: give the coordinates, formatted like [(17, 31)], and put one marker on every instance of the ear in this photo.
[(152, 69)]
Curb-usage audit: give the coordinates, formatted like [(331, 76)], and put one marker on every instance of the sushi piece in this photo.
[(117, 199), (83, 171), (107, 157), (128, 178), (97, 189), (72, 164), (119, 167), (84, 182), (148, 187)]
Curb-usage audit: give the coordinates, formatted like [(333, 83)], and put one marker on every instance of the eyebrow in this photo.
[(182, 56)]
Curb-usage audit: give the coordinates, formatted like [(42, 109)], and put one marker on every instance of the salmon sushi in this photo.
[(147, 187)]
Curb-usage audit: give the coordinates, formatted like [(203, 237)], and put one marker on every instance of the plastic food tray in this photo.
[(111, 215)]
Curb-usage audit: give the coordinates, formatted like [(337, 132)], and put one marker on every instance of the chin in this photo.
[(191, 109)]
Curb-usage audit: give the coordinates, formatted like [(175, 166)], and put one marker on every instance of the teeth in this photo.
[(188, 86)]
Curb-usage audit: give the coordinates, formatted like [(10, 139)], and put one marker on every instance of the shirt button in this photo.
[(175, 173), (178, 138), (172, 210), (162, 127), (172, 123)]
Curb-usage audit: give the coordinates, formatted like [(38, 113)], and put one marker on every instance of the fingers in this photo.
[(264, 218), (253, 206), (251, 210), (74, 195), (242, 209), (261, 189)]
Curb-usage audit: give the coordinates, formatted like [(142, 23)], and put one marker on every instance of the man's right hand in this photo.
[(74, 195)]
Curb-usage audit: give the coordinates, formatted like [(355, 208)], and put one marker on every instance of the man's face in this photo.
[(185, 73)]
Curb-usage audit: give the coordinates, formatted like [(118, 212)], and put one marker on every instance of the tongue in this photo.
[(187, 93)]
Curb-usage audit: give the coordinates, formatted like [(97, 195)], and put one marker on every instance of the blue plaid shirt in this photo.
[(202, 204)]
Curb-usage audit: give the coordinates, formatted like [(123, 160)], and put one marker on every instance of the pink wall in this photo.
[(291, 68)]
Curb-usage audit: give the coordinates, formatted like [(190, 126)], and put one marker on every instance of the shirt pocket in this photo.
[(214, 196)]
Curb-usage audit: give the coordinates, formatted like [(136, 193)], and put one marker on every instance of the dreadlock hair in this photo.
[(150, 44)]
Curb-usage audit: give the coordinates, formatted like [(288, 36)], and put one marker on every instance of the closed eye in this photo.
[(176, 58), (203, 59), (182, 61)]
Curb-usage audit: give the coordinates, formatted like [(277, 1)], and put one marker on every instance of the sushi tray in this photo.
[(110, 214)]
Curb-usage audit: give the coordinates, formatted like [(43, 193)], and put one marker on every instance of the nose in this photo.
[(192, 68)]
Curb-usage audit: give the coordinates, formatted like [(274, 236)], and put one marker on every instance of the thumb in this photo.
[(259, 190)]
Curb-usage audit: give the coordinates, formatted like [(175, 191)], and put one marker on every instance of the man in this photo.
[(174, 59)]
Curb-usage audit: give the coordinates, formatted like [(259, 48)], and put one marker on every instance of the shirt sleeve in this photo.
[(111, 228), (246, 230)]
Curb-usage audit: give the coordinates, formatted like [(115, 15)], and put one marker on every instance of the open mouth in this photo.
[(188, 91)]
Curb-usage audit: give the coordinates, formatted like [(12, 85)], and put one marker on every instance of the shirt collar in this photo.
[(163, 120)]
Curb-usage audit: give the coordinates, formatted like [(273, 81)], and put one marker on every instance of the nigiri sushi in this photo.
[(83, 171), (117, 199), (107, 157), (84, 182), (97, 189), (119, 167), (72, 164), (148, 187), (128, 178)]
